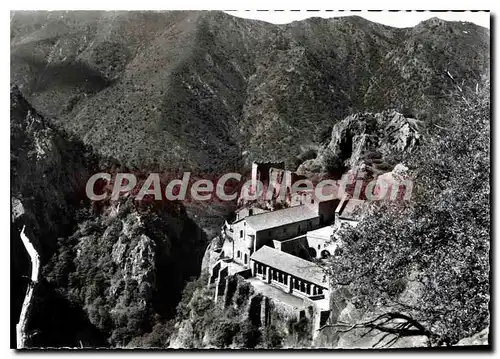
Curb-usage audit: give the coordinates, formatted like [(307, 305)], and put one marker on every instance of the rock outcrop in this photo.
[(206, 92), (374, 142), (481, 338), (198, 89), (49, 170), (113, 269), (243, 318)]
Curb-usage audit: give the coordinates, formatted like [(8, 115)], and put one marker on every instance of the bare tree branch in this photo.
[(388, 323)]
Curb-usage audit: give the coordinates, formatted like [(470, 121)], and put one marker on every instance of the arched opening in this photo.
[(312, 252), (325, 254)]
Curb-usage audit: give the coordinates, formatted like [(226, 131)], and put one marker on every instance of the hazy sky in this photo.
[(397, 19)]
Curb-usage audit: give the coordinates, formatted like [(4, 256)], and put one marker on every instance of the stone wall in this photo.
[(296, 246), (295, 325)]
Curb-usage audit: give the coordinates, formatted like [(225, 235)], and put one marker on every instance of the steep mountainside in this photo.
[(208, 91), (109, 273), (48, 171), (370, 142)]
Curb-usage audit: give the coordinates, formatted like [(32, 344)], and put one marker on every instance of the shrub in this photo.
[(248, 336), (272, 338), (439, 239), (223, 332)]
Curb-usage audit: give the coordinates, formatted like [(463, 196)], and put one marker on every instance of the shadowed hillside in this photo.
[(109, 272), (208, 91)]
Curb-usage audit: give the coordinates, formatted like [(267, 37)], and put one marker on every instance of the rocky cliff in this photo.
[(48, 172), (370, 142), (241, 318), (206, 92)]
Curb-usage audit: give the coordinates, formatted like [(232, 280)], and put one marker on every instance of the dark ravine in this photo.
[(48, 173), (163, 245)]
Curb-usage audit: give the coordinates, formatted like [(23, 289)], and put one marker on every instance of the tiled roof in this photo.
[(256, 210), (350, 208), (281, 217), (291, 264)]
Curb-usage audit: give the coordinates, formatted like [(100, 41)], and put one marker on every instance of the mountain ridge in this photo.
[(211, 92)]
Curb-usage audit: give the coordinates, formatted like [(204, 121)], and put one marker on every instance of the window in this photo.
[(238, 254), (250, 212), (241, 234), (319, 246), (246, 258)]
